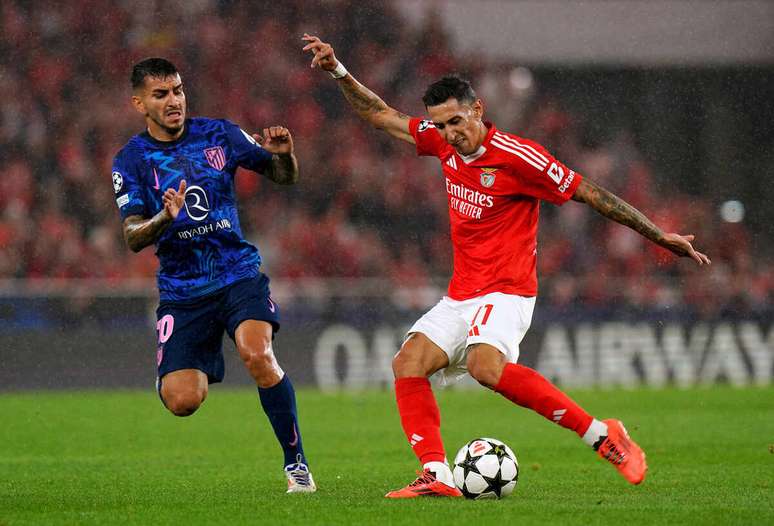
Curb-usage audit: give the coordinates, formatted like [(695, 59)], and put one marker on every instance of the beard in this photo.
[(170, 129)]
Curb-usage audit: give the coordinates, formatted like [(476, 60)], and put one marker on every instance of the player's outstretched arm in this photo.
[(364, 101), (615, 208), (278, 141), (140, 232)]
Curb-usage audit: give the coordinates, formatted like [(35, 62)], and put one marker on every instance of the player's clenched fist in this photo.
[(276, 139), (323, 52), (174, 199)]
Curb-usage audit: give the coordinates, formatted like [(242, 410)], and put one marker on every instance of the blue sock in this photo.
[(279, 403)]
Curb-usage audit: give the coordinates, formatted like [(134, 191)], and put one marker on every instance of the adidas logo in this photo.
[(558, 414), (452, 162), (415, 439)]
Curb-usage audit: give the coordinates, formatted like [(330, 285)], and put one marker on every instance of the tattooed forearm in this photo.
[(374, 110), (363, 100), (615, 208), (140, 232), (283, 169)]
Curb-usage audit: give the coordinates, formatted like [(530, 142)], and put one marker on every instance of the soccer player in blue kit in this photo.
[(174, 186)]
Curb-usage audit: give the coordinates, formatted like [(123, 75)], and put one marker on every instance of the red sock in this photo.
[(528, 388), (420, 418)]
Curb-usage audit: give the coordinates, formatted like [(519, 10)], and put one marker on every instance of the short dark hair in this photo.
[(449, 87), (159, 68)]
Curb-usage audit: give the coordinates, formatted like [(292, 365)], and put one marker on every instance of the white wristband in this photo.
[(340, 72)]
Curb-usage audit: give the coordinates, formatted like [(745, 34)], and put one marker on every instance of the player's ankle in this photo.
[(441, 471), (596, 432)]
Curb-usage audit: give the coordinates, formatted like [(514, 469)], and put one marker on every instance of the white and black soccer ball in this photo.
[(485, 468)]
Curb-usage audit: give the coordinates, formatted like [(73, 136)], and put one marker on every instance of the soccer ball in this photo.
[(485, 468)]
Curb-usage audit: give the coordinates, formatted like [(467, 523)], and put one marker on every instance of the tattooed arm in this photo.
[(364, 101), (278, 141), (140, 232), (615, 208), (283, 169)]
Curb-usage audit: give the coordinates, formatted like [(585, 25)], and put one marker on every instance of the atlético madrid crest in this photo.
[(488, 177), (216, 157)]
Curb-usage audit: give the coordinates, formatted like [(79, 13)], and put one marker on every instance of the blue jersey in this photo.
[(202, 250)]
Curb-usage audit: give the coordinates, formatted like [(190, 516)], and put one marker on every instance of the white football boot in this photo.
[(299, 479)]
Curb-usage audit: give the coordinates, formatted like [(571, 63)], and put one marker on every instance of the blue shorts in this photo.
[(190, 334)]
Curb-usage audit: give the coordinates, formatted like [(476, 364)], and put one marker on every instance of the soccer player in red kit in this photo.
[(494, 182)]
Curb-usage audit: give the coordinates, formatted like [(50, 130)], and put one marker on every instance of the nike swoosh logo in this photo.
[(273, 309), (294, 442), (156, 187)]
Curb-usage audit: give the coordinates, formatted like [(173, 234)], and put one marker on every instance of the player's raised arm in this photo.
[(365, 102), (140, 232), (615, 208)]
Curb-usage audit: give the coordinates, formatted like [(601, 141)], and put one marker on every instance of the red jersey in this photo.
[(494, 200)]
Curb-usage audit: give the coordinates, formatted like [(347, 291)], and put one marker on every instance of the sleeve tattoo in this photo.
[(283, 169), (362, 99), (615, 208)]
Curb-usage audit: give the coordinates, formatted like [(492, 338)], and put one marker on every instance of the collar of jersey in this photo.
[(467, 159), (168, 144)]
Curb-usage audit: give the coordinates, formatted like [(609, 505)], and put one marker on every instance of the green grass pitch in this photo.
[(120, 458)]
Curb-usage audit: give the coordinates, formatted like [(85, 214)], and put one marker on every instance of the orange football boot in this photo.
[(622, 452), (426, 485)]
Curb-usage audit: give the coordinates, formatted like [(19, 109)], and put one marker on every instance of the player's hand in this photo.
[(323, 52), (681, 245), (276, 139), (174, 200)]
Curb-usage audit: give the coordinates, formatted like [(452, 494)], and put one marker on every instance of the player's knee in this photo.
[(262, 365), (406, 363), (183, 403), (259, 358), (484, 370)]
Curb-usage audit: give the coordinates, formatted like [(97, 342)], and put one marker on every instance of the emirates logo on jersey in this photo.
[(488, 177)]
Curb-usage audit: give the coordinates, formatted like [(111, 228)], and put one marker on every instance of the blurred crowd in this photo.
[(365, 206)]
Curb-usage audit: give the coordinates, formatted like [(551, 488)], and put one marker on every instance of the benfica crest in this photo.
[(216, 157), (488, 177)]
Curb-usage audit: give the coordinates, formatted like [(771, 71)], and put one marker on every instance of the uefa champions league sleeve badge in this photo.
[(118, 182)]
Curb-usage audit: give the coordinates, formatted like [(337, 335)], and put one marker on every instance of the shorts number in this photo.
[(164, 327), (487, 311)]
